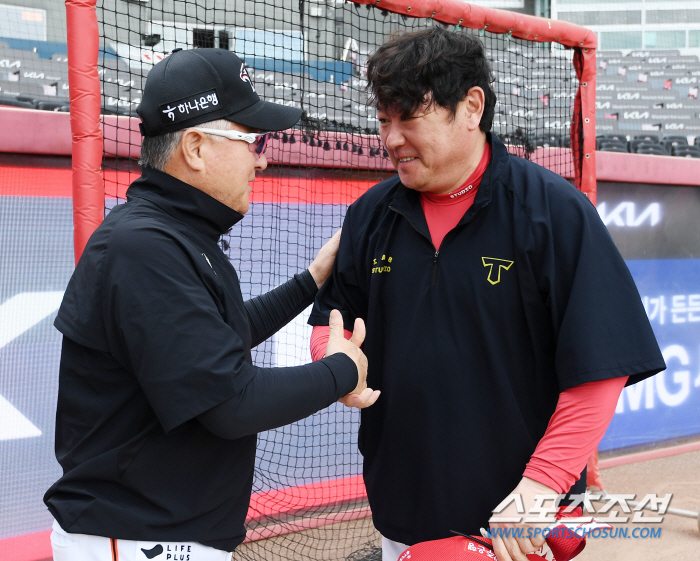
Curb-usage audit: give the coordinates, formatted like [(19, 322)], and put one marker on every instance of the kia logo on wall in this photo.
[(625, 215), (636, 115), (557, 124)]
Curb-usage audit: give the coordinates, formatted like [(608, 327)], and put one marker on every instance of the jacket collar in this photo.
[(407, 201), (184, 202)]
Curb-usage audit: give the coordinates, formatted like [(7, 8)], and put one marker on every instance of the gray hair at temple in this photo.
[(157, 150)]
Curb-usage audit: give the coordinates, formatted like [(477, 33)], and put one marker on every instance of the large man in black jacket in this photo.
[(159, 402), (502, 322)]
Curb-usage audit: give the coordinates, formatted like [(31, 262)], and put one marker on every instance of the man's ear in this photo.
[(474, 103), (192, 146)]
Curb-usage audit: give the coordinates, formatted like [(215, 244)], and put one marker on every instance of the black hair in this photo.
[(433, 66)]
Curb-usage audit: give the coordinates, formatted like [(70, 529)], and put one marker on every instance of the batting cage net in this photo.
[(312, 55)]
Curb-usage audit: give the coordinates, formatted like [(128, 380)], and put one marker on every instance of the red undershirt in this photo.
[(583, 412), (443, 212)]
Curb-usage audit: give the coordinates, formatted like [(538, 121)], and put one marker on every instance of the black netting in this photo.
[(311, 55)]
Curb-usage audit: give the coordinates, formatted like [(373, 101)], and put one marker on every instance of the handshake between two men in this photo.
[(320, 269), (361, 396)]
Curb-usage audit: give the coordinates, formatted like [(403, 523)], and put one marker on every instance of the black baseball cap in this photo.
[(195, 86)]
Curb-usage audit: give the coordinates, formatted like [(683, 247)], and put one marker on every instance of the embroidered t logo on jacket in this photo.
[(495, 273)]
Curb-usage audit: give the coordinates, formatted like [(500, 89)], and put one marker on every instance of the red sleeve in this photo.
[(580, 420), (319, 340)]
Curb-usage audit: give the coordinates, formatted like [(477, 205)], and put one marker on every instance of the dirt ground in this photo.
[(679, 538), (351, 541)]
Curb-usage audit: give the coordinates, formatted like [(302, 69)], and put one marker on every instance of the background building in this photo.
[(638, 24)]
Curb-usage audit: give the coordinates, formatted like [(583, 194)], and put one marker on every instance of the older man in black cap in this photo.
[(159, 403)]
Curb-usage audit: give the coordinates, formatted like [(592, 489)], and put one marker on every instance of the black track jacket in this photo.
[(471, 345), (156, 333)]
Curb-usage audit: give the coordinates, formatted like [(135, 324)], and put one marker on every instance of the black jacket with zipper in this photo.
[(472, 344)]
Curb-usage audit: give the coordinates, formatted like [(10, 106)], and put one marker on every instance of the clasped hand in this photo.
[(361, 396)]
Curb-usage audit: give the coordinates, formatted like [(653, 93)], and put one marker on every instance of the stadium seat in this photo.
[(28, 99), (655, 149), (635, 144), (648, 137), (681, 139), (52, 105), (620, 138), (613, 146), (685, 151), (669, 143), (14, 102)]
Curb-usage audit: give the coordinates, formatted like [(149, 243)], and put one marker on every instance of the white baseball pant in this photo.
[(82, 547)]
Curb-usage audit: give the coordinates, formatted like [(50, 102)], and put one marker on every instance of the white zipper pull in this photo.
[(212, 268)]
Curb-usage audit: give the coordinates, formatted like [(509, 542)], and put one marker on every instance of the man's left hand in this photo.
[(322, 266), (513, 540)]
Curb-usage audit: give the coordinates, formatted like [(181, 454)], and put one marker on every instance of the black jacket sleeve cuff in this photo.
[(306, 280), (344, 371)]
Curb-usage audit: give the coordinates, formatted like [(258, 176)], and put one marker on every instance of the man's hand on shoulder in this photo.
[(361, 396), (513, 540), (322, 266)]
